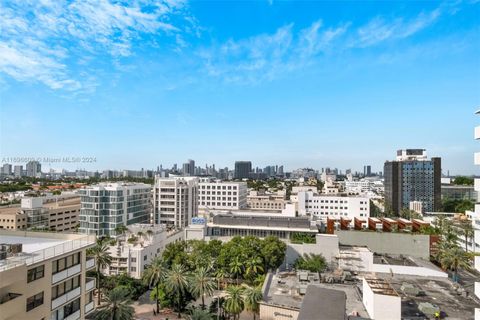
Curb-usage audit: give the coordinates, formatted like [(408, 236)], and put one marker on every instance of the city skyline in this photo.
[(303, 84)]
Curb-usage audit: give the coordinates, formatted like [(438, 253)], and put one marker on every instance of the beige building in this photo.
[(43, 276), (261, 200), (56, 214), (11, 218)]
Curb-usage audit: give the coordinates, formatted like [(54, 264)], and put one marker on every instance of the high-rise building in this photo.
[(44, 275), (188, 168), (175, 200), (33, 168), (106, 206), (7, 169), (18, 171), (412, 177), (367, 171), (243, 169)]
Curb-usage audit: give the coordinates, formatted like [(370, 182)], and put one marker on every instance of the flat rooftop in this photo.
[(437, 291), (262, 221), (40, 246), (283, 289)]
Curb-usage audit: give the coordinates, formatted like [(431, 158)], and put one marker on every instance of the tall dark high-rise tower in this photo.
[(242, 169), (413, 177)]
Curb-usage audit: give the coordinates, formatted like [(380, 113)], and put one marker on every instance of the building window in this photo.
[(35, 273), (65, 287), (65, 263), (35, 301)]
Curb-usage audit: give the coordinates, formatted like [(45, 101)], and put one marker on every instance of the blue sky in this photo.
[(140, 83)]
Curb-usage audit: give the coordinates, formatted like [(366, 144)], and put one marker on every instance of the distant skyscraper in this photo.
[(7, 169), (243, 169), (280, 171), (188, 168), (18, 171), (412, 177), (33, 168), (367, 171)]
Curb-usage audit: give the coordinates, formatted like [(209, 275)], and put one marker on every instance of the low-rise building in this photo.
[(60, 214), (322, 206), (220, 195), (43, 276), (457, 192), (266, 201), (133, 256)]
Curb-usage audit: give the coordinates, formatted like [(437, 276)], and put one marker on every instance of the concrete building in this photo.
[(18, 171), (188, 168), (332, 206), (367, 171), (412, 177), (43, 276), (106, 206), (242, 169), (58, 213), (175, 200), (218, 195), (7, 169), (133, 257), (266, 201), (34, 169)]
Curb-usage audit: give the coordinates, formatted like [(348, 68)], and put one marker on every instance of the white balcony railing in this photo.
[(90, 284), (74, 316), (88, 307), (90, 263), (62, 275), (69, 296)]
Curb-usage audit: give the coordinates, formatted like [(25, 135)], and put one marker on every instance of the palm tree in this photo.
[(234, 303), (121, 230), (149, 233), (199, 314), (252, 297), (154, 275), (253, 266), (177, 282), (117, 306), (201, 284), (102, 259), (454, 258), (466, 230), (220, 275), (236, 267)]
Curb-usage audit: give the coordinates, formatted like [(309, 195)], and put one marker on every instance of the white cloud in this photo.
[(41, 39), (379, 29)]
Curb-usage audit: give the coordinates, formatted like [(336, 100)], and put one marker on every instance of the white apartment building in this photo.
[(43, 276), (333, 206), (175, 200), (266, 201), (133, 257), (220, 195), (106, 206)]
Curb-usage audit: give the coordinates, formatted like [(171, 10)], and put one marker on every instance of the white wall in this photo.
[(326, 245), (381, 306)]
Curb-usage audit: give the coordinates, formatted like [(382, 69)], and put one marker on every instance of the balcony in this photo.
[(90, 263), (10, 304), (74, 316), (69, 296), (88, 307), (62, 275), (90, 284)]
